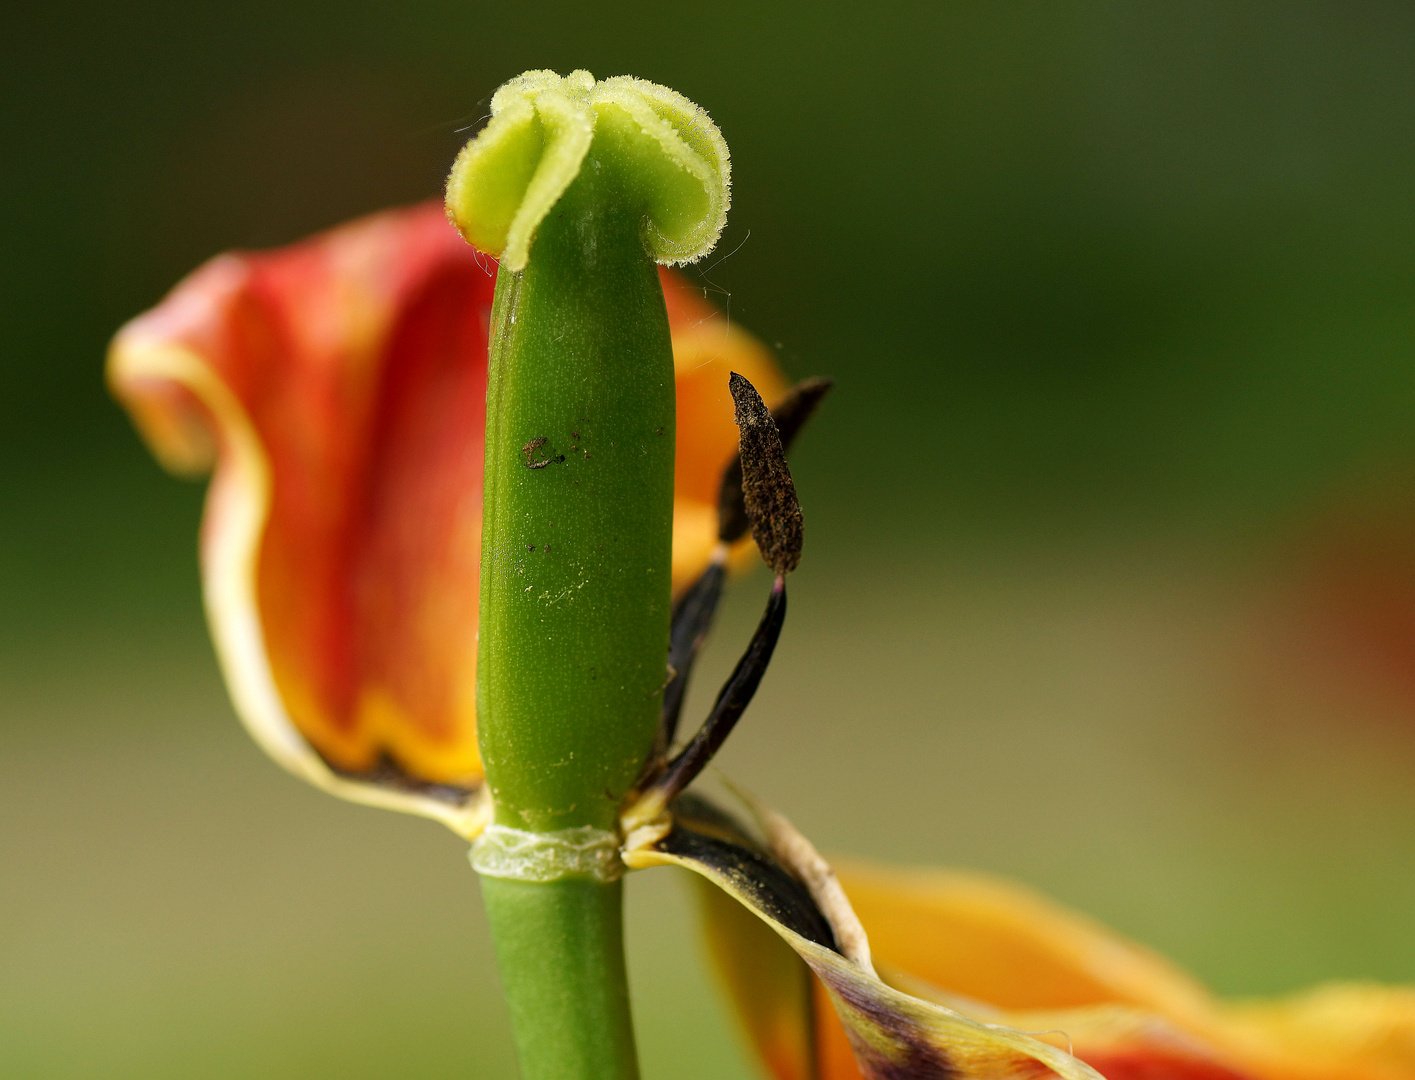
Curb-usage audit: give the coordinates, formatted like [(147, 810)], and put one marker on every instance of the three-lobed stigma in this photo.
[(672, 163)]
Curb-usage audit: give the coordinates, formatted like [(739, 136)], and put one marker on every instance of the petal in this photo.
[(1005, 955), (1338, 1031), (769, 986), (707, 348), (341, 385), (1122, 1042), (338, 387), (995, 941), (892, 1035)]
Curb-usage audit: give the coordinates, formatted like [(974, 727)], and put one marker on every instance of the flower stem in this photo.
[(560, 948), (578, 504), (575, 601), (579, 188)]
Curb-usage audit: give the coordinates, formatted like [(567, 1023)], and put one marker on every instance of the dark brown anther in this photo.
[(799, 404), (768, 492), (790, 414), (692, 616), (732, 701)]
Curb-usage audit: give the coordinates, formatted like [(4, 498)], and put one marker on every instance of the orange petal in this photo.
[(1002, 954), (1341, 1031), (891, 1034), (997, 942), (769, 986), (707, 348), (340, 384), (338, 388)]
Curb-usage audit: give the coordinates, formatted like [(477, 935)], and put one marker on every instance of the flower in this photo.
[(778, 916), (337, 389), (1003, 955)]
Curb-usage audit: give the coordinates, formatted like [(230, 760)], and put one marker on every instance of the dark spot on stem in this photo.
[(532, 448)]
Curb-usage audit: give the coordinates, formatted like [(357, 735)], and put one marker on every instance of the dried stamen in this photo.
[(768, 492), (731, 702), (692, 617), (757, 492), (790, 414)]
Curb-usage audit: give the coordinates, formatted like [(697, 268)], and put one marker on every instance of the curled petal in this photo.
[(1002, 954), (891, 1034), (337, 388), (980, 977), (340, 386)]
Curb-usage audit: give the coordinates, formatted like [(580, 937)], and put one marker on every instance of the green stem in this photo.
[(574, 1024), (578, 528), (575, 600)]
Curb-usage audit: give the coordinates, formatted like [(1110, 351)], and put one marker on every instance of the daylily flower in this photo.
[(337, 390), (337, 387)]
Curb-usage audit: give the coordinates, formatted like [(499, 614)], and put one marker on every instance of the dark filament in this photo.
[(692, 618), (733, 699)]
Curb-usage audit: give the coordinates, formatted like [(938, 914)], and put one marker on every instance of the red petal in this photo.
[(358, 360)]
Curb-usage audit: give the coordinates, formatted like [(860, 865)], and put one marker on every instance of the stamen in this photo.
[(757, 489), (768, 491), (731, 702), (790, 414), (692, 617)]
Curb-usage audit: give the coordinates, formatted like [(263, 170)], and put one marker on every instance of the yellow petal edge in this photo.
[(893, 1035), (238, 503), (506, 179)]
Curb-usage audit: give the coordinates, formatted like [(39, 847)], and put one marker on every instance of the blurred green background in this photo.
[(1110, 582)]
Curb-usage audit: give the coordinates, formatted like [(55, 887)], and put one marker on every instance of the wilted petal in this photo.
[(892, 1035), (338, 388), (1003, 954)]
